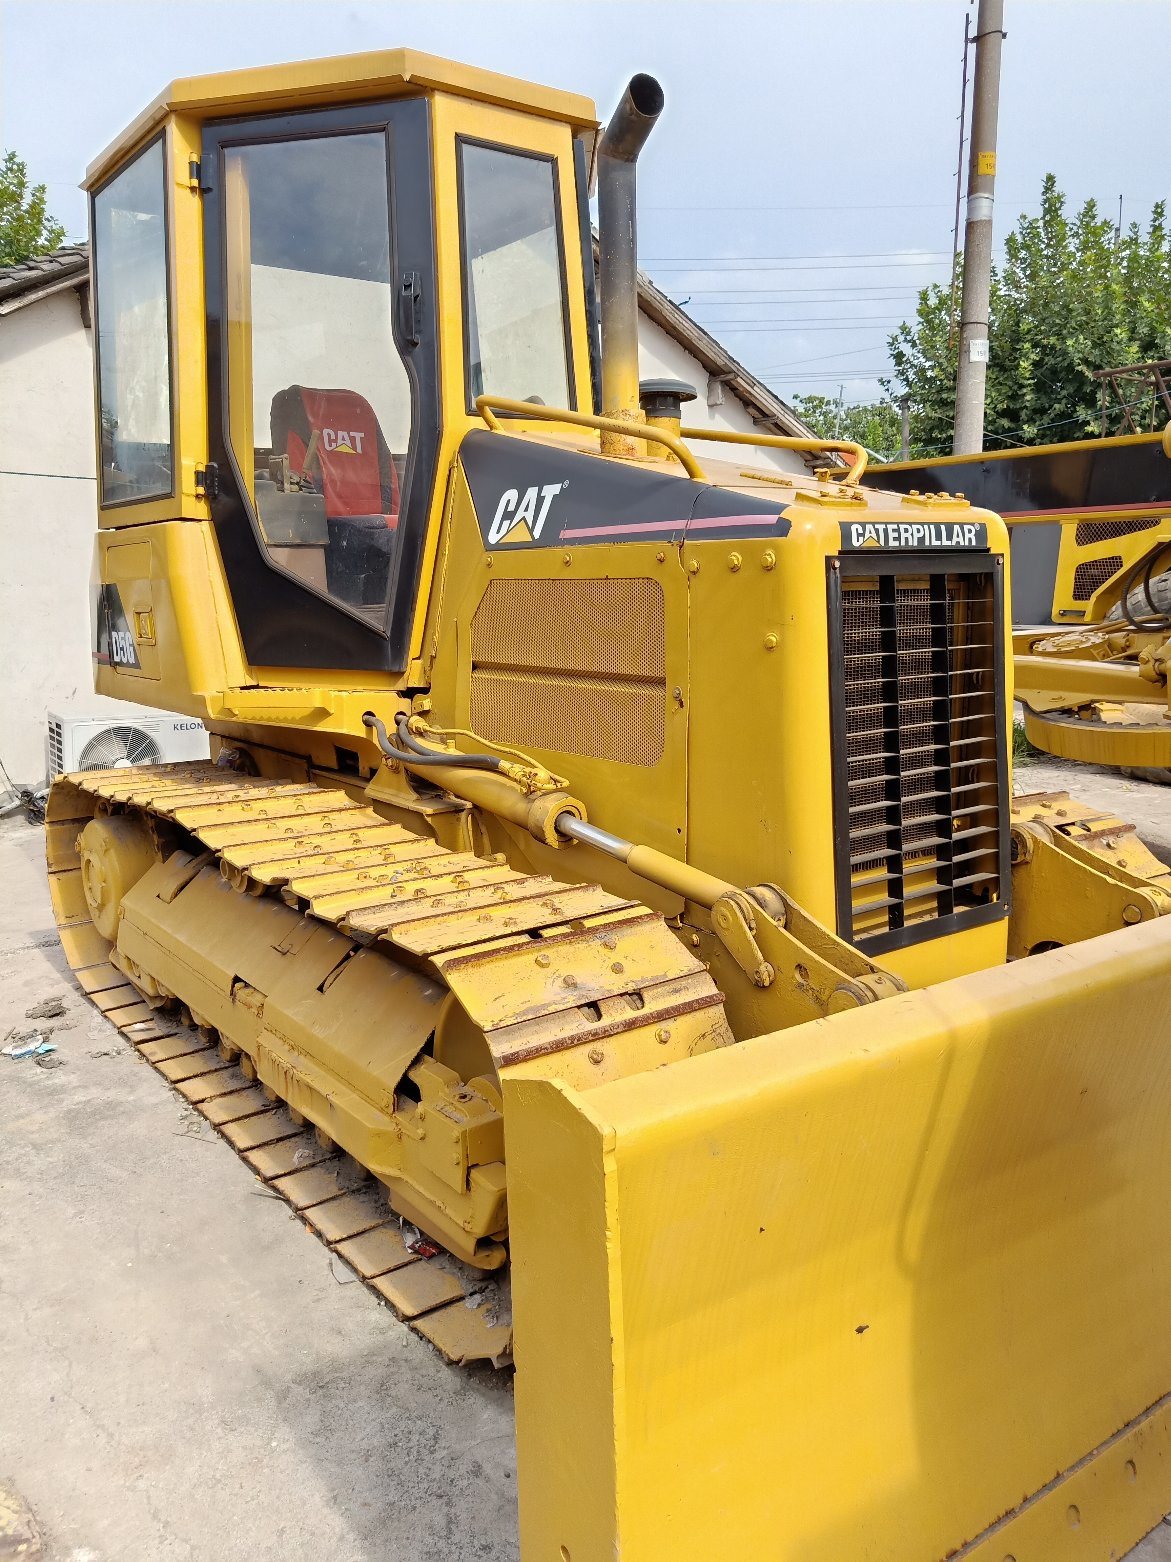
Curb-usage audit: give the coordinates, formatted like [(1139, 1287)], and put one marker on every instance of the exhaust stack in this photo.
[(624, 138)]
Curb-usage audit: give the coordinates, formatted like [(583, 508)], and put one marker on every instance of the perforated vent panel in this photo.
[(572, 666), (56, 748), (919, 752), (1091, 575), (1087, 533)]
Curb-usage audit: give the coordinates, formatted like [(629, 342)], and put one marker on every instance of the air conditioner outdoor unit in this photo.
[(104, 742)]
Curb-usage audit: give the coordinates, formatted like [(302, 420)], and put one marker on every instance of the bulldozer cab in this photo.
[(360, 273)]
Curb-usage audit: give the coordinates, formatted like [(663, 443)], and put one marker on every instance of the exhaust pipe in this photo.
[(624, 138)]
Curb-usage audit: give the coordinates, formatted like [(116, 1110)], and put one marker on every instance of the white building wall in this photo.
[(660, 356), (47, 522)]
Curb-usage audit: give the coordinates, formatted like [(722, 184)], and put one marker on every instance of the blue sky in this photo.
[(800, 186)]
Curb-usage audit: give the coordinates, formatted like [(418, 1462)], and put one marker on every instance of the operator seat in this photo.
[(335, 444)]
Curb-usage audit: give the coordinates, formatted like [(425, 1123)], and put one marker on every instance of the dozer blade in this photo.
[(893, 1285)]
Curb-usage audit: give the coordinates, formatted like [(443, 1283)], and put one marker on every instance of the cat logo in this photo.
[(342, 442), (521, 518)]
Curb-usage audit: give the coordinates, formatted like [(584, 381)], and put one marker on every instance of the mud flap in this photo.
[(893, 1285)]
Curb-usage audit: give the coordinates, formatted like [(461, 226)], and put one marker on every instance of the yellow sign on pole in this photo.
[(985, 163)]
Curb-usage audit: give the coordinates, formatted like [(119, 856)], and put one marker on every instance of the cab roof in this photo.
[(346, 78)]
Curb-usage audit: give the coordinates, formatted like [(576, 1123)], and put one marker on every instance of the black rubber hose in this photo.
[(412, 753), (1144, 568)]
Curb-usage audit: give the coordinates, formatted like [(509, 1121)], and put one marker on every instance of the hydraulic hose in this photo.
[(410, 750)]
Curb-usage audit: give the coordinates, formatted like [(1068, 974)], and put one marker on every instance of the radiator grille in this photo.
[(919, 751), (572, 667), (1093, 574), (1087, 533)]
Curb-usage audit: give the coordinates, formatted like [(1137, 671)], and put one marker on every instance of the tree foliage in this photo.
[(26, 228), (874, 424), (1070, 297)]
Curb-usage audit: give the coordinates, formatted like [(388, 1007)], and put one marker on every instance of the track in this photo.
[(468, 921)]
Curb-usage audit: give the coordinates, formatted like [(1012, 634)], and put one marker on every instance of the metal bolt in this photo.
[(768, 559), (567, 558), (663, 1035), (569, 979), (695, 940), (596, 1055), (488, 560), (542, 960), (771, 642), (660, 555), (734, 562), (609, 942), (618, 968), (1131, 914), (693, 567)]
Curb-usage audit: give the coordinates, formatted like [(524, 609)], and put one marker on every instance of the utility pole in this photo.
[(905, 427), (973, 365)]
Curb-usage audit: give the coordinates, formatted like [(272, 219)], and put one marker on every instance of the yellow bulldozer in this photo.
[(606, 916), (1090, 522)]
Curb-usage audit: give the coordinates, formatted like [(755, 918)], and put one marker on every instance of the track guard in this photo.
[(891, 1285)]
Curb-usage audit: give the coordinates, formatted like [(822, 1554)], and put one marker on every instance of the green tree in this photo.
[(874, 424), (1070, 297), (25, 226)]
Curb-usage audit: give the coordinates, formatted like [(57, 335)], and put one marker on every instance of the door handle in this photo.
[(410, 308)]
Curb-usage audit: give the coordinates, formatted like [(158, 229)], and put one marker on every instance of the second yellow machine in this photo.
[(611, 849)]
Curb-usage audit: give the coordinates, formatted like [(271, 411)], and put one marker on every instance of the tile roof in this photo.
[(41, 273)]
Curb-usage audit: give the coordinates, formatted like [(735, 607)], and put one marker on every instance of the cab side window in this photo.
[(515, 321), (133, 335)]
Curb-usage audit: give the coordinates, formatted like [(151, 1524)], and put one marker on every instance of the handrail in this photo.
[(531, 409), (729, 436)]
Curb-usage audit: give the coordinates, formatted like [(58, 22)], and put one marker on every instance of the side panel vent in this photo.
[(1087, 533), (920, 763), (572, 666), (1093, 574)]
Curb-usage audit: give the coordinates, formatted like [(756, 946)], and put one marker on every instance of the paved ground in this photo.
[(182, 1373)]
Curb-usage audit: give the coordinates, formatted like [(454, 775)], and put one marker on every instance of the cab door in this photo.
[(324, 415)]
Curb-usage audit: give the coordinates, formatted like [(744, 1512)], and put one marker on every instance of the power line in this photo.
[(729, 295), (814, 263), (797, 319), (759, 329), (795, 363), (841, 206), (878, 254)]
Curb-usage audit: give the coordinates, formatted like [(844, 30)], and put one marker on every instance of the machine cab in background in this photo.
[(364, 260)]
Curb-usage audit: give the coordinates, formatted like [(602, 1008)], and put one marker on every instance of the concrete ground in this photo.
[(183, 1374)]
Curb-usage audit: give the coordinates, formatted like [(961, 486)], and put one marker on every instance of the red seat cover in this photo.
[(357, 474)]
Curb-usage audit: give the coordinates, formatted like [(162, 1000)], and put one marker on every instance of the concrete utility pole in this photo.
[(973, 366)]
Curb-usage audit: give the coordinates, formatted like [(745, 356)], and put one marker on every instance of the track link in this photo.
[(469, 921)]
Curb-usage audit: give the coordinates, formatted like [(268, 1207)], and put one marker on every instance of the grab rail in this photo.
[(729, 436), (529, 409)]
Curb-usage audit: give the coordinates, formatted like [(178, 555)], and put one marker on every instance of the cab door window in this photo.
[(319, 398)]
